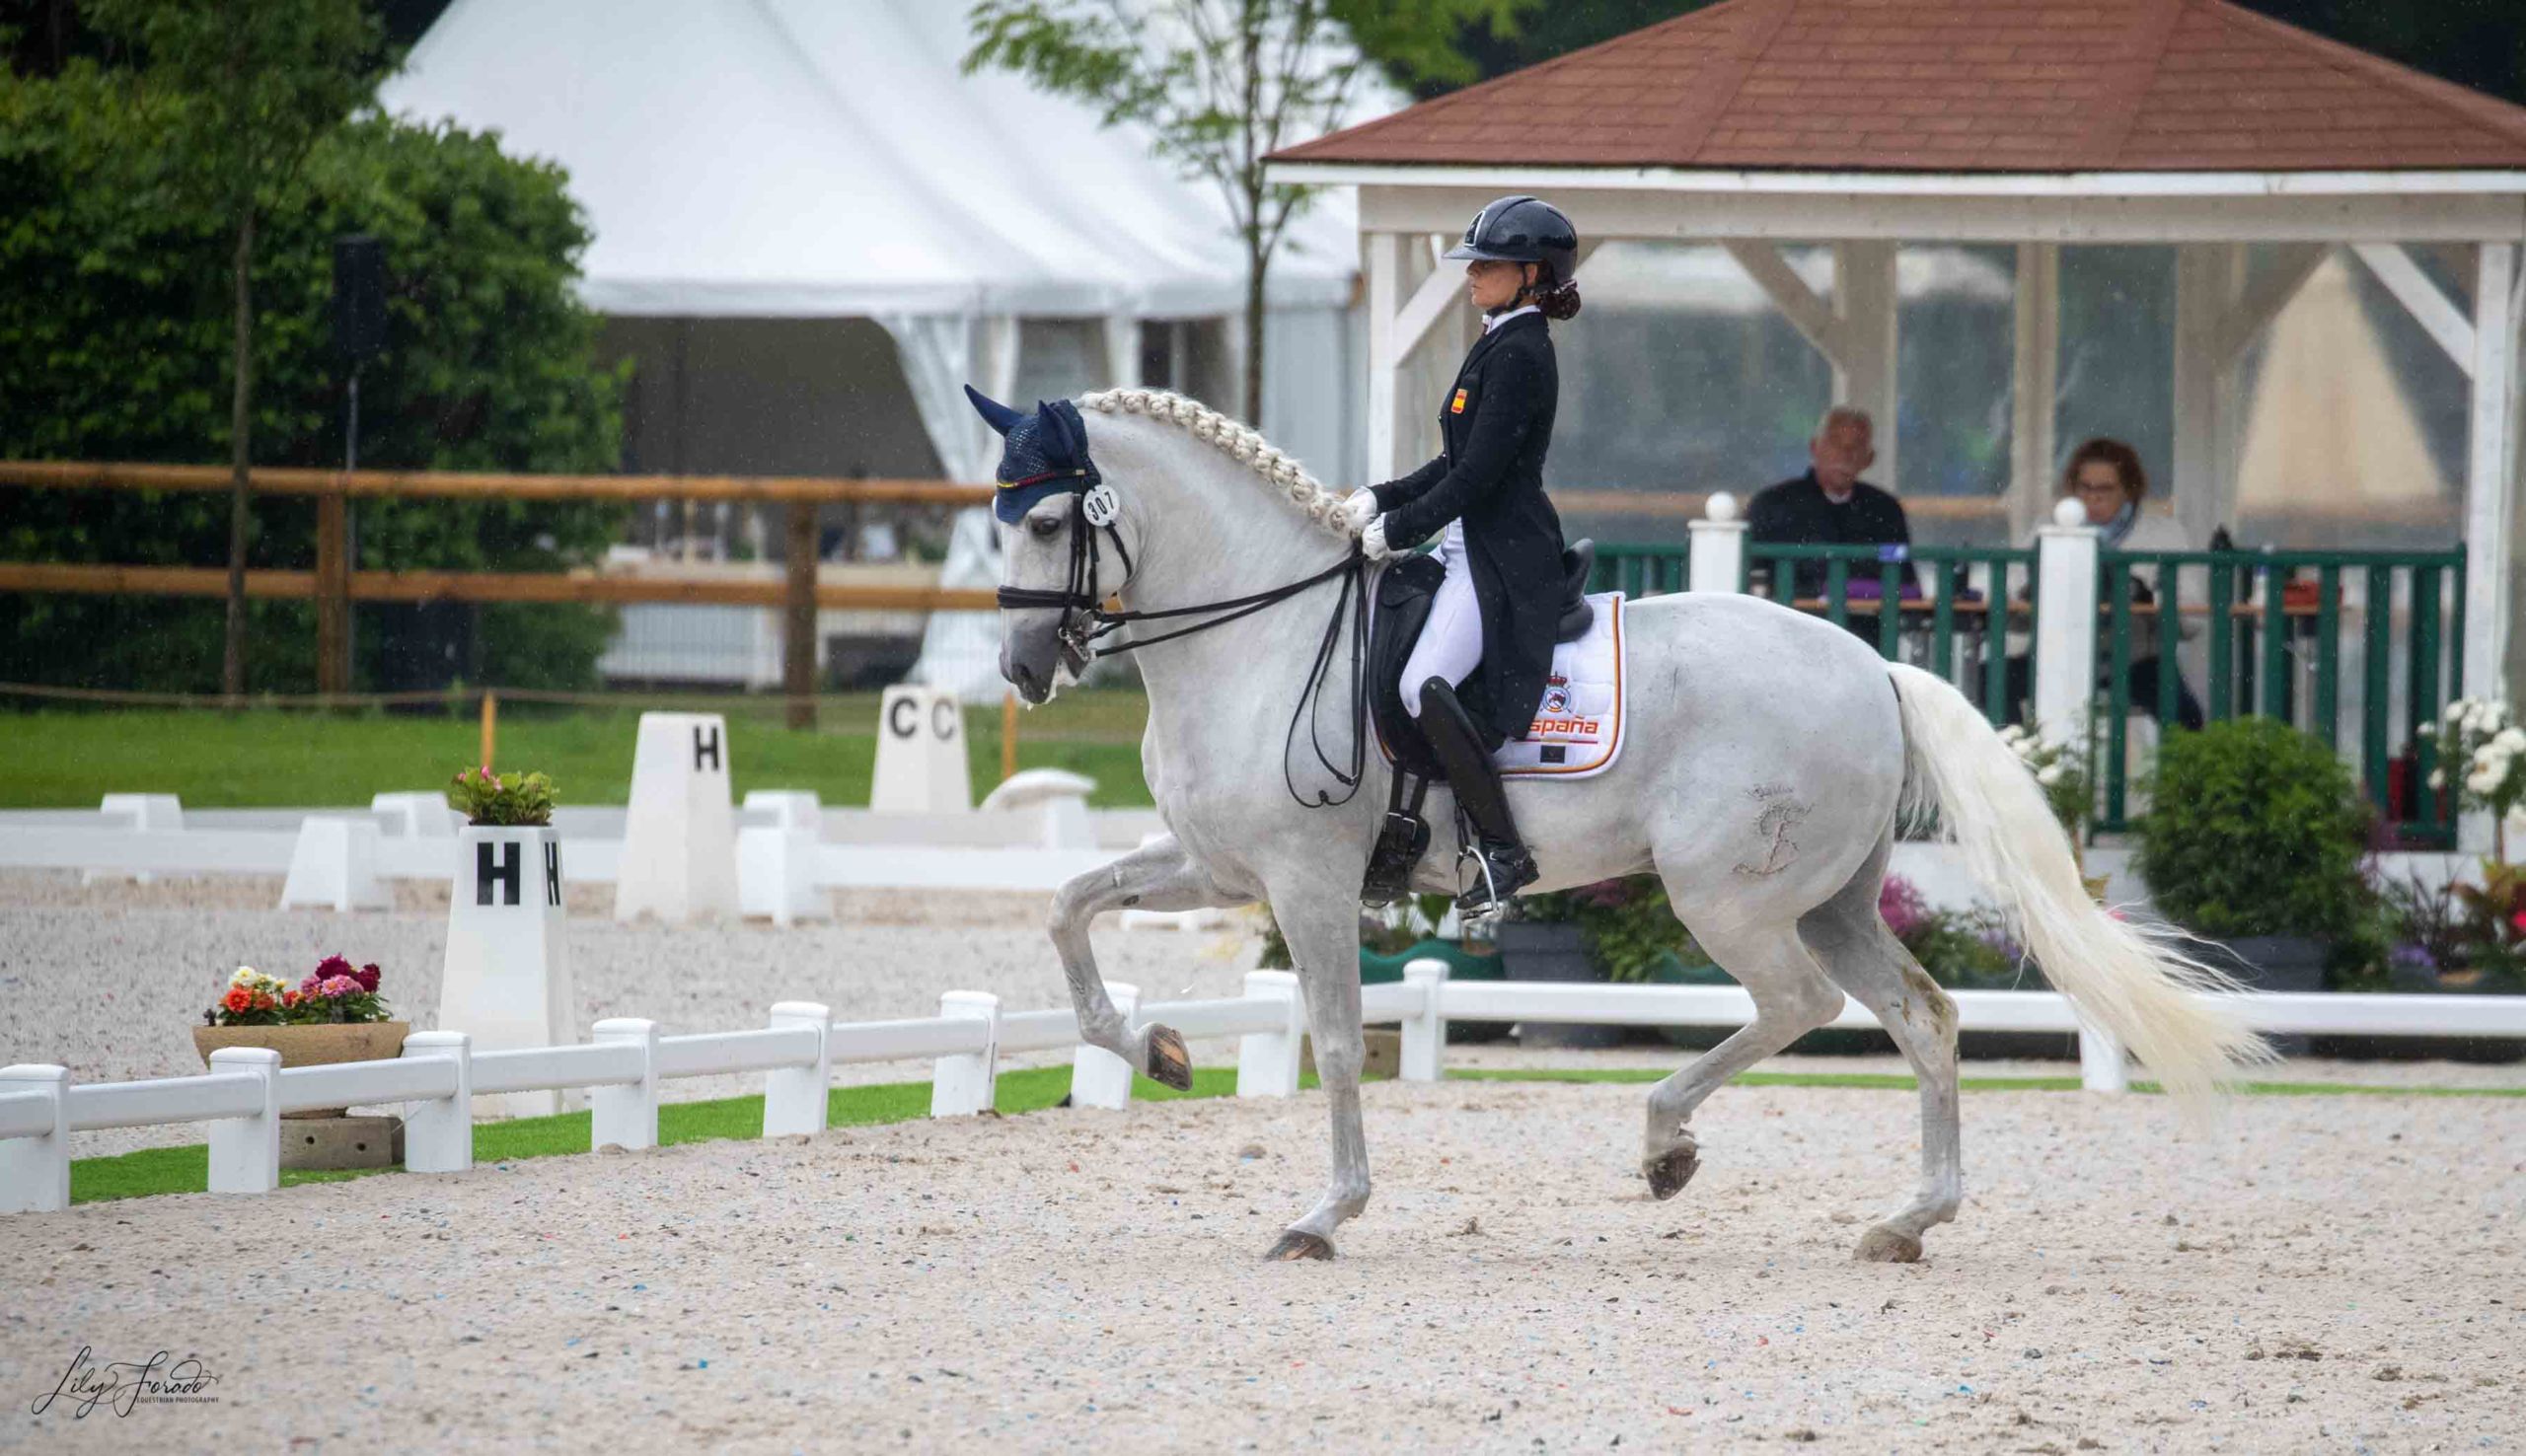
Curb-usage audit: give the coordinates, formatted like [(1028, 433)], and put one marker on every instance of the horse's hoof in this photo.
[(1668, 1174), (1169, 1064), (1295, 1245), (1883, 1245)]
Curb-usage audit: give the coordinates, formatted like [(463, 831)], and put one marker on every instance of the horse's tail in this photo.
[(2133, 981)]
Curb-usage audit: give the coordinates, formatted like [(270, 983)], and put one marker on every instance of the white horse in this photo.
[(1767, 761)]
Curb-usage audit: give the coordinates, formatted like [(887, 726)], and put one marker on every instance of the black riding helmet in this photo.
[(1525, 230)]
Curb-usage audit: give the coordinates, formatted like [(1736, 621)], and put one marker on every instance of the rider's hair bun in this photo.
[(1558, 301)]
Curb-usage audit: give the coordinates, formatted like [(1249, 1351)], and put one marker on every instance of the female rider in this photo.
[(1501, 600)]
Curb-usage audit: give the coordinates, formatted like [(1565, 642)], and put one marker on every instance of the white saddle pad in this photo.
[(1578, 727)]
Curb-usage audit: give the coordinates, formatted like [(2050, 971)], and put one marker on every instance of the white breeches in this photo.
[(1451, 646)]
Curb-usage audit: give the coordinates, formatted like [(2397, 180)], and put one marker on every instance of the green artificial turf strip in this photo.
[(163, 1170), (269, 758)]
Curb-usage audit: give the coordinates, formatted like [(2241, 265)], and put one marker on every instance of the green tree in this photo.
[(111, 322), (249, 87), (1222, 83)]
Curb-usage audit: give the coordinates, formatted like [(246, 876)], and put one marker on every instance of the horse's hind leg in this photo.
[(1792, 997), (1156, 875), (1864, 958)]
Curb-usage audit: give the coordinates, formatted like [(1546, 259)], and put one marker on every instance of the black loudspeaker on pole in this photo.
[(359, 319), (359, 298), (359, 335)]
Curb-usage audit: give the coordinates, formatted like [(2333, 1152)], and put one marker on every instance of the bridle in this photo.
[(1087, 622)]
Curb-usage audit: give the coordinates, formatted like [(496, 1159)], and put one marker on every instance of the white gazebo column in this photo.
[(2206, 283), (1122, 352), (1864, 301), (1403, 311), (2035, 386), (2490, 472)]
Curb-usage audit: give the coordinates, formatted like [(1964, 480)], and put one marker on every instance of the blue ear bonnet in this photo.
[(1046, 453)]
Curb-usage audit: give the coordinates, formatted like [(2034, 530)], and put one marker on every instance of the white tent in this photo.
[(799, 158)]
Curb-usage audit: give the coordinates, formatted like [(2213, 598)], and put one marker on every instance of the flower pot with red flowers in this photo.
[(335, 1014)]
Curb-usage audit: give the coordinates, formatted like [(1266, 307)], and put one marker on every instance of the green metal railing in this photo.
[(1952, 631), (2280, 626), (1642, 570)]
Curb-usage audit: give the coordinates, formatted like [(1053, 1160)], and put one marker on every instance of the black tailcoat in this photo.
[(1495, 422)]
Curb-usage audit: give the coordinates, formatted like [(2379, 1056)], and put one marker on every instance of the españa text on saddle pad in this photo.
[(1578, 727)]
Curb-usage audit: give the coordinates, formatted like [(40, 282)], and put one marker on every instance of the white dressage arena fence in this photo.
[(440, 1073), (788, 850)]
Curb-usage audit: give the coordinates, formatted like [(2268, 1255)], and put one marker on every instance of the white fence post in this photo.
[(245, 1152), (794, 1098), (2102, 1066), (144, 814), (967, 1082), (415, 816), (438, 1135), (1098, 1077), (627, 1113), (1717, 563), (1425, 1031), (1267, 1063), (35, 1172), (777, 875), (2065, 625), (333, 865)]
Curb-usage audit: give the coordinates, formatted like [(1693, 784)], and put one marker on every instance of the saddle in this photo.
[(1404, 592), (1403, 595)]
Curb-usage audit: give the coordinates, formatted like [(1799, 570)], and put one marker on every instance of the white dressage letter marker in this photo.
[(921, 753), (680, 840), (507, 983)]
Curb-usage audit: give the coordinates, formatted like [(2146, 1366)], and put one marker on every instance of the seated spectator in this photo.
[(1830, 505), (2105, 476)]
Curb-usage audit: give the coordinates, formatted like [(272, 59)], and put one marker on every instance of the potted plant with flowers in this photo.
[(334, 1014), (2468, 936)]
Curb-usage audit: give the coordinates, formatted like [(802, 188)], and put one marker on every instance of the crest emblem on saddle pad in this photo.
[(1556, 693)]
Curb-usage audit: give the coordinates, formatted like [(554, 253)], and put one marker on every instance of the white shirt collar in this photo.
[(1494, 321)]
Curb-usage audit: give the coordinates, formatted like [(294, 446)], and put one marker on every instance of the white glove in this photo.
[(1359, 508), (1372, 541)]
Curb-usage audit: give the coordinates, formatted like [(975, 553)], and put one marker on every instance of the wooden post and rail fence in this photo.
[(335, 583)]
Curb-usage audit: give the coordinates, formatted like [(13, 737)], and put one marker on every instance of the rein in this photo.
[(1085, 622)]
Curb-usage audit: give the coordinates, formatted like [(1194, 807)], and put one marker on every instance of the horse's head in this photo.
[(1050, 502)]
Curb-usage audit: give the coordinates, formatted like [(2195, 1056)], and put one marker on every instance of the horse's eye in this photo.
[(1044, 527)]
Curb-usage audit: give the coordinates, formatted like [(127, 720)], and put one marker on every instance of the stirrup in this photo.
[(1488, 898)]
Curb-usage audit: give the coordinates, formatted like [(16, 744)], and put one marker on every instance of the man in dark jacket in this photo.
[(1830, 505)]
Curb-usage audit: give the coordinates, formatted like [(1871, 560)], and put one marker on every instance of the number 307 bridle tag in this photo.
[(1100, 505)]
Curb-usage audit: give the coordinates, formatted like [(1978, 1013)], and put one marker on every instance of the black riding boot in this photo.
[(1503, 866)]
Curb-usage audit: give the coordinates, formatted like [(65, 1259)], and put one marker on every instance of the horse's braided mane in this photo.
[(1239, 442)]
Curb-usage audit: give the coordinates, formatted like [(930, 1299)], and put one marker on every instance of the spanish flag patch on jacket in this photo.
[(1456, 407)]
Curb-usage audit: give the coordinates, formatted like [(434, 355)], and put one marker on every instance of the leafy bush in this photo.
[(489, 798), (2254, 829), (113, 346), (1628, 925), (1970, 948)]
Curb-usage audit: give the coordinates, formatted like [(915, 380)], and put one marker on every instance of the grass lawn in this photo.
[(260, 758), (163, 1170)]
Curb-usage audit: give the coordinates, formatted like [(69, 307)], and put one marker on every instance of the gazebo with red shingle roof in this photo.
[(2194, 123)]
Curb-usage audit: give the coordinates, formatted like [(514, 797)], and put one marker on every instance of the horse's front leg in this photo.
[(1323, 935), (1157, 876)]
